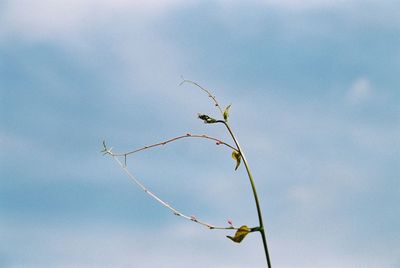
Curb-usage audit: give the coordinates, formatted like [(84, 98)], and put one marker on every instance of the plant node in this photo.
[(206, 119)]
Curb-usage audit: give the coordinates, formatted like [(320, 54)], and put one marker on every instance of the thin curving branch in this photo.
[(187, 135), (205, 90), (175, 211)]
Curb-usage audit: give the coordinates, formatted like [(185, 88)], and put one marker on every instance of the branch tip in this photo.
[(210, 95)]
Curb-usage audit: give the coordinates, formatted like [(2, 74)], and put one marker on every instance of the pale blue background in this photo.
[(314, 88)]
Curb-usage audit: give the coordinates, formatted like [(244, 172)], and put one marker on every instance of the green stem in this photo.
[(262, 229)]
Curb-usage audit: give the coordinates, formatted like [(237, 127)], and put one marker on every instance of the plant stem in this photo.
[(262, 229)]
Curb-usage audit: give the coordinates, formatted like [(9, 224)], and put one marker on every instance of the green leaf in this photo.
[(240, 234), (226, 112), (237, 157)]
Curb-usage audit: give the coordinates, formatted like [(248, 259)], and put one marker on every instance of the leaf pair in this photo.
[(240, 234)]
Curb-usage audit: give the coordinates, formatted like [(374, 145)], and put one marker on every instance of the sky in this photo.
[(314, 94)]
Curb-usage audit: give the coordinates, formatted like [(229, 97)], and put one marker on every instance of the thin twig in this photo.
[(162, 202), (205, 90), (188, 135)]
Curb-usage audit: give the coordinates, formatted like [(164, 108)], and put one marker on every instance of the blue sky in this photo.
[(314, 88)]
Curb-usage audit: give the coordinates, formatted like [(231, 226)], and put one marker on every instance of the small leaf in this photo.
[(240, 234), (226, 112), (237, 157)]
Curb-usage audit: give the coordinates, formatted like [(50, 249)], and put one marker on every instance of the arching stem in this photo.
[(253, 187)]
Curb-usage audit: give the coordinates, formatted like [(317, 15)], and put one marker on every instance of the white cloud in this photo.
[(292, 4), (307, 4), (48, 19), (360, 91)]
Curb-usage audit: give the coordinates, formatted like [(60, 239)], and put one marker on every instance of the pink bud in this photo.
[(230, 222)]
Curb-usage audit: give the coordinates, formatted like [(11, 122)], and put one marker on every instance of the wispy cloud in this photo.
[(50, 20), (360, 91), (305, 5)]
